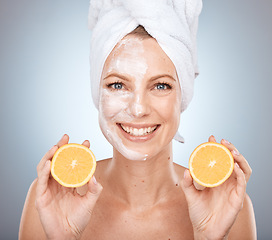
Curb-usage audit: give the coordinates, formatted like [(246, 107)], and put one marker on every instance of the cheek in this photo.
[(112, 105), (107, 107), (169, 109)]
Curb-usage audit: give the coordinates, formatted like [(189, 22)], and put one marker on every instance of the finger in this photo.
[(86, 143), (93, 193), (243, 164), (228, 144), (82, 190), (43, 179), (241, 182), (198, 186), (50, 153), (47, 156), (238, 158), (212, 139), (94, 187), (187, 183), (63, 140)]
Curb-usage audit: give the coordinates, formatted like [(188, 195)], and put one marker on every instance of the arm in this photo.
[(223, 212), (244, 227), (30, 225), (52, 211)]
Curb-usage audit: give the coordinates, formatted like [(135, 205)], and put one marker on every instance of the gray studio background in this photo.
[(45, 92)]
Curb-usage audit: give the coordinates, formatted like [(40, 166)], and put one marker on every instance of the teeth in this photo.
[(138, 131)]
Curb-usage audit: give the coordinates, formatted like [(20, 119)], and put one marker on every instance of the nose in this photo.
[(139, 105)]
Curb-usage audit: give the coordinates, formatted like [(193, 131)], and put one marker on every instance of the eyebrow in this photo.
[(163, 76), (116, 75), (151, 79)]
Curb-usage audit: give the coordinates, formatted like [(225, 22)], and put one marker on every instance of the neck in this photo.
[(142, 183)]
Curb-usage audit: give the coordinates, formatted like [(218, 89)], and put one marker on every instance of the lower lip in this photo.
[(137, 138)]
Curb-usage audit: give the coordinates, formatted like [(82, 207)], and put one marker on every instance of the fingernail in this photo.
[(198, 186), (48, 163), (213, 137), (237, 165), (235, 152), (94, 180), (226, 141), (52, 147)]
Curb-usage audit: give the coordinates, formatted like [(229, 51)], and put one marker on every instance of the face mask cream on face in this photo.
[(114, 106), (139, 104)]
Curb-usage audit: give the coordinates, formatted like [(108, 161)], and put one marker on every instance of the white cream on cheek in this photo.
[(112, 110), (114, 105)]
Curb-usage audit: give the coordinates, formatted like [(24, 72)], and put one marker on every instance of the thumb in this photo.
[(94, 190), (187, 181), (187, 184)]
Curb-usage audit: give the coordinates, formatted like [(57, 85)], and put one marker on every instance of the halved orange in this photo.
[(211, 164), (73, 165)]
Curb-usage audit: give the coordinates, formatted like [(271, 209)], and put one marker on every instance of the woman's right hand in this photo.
[(64, 213)]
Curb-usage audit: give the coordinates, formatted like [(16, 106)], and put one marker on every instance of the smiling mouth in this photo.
[(139, 132)]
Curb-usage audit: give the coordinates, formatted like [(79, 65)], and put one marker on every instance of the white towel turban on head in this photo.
[(173, 23)]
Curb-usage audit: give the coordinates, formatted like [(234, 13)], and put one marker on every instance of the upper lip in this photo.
[(139, 125)]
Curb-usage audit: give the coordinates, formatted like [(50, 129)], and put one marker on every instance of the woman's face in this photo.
[(140, 98)]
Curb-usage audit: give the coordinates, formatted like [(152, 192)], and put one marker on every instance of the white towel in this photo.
[(173, 23)]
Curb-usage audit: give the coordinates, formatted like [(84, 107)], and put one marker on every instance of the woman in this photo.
[(145, 195)]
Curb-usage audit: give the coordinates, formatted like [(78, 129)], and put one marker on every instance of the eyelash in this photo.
[(111, 85), (168, 86)]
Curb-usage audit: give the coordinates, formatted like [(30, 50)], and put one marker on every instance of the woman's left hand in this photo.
[(213, 211)]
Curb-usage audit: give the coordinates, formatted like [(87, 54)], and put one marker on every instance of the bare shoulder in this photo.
[(102, 164), (245, 225), (30, 225), (101, 167)]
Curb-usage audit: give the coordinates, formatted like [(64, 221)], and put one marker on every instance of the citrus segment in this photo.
[(73, 165), (211, 164)]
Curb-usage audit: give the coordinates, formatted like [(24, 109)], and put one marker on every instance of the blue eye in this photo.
[(162, 86), (116, 86)]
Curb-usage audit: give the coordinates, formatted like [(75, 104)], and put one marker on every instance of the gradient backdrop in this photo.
[(45, 92)]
